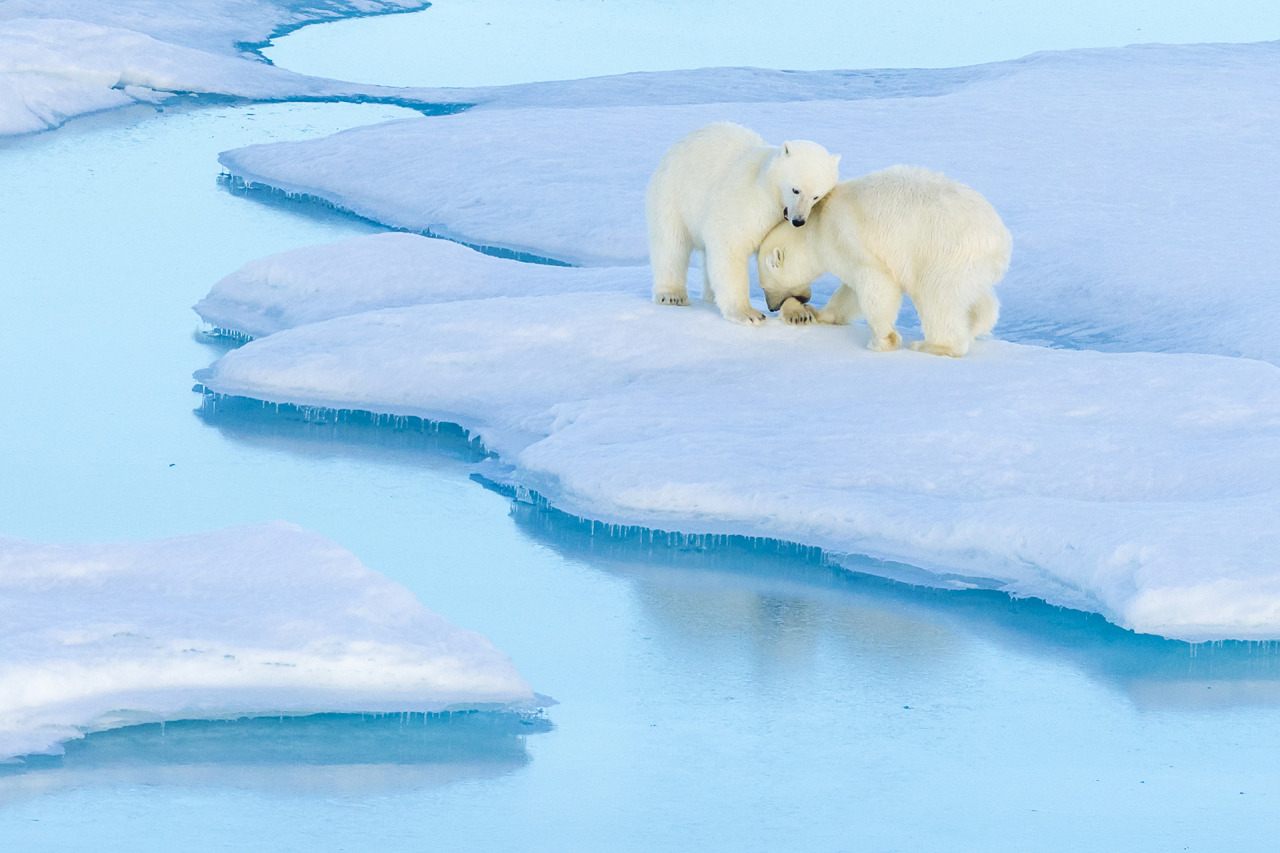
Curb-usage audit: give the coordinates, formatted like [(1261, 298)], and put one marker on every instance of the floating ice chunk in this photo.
[(1140, 486), (259, 620), (1142, 185), (385, 271)]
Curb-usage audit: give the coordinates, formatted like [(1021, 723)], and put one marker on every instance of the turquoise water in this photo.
[(730, 698)]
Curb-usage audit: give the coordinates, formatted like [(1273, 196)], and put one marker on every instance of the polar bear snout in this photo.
[(775, 300), (797, 221)]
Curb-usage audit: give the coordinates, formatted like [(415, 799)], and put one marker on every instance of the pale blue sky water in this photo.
[(479, 43), (729, 700)]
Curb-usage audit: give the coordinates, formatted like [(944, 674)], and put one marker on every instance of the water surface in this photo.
[(482, 43)]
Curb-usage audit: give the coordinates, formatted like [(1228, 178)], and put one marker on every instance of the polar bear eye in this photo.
[(796, 191)]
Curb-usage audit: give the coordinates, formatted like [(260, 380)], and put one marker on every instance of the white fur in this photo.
[(720, 189), (900, 230)]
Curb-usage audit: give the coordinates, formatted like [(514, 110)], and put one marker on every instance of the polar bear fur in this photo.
[(720, 189), (900, 230)]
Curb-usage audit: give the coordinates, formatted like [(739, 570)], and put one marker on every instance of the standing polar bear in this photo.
[(899, 230), (721, 189)]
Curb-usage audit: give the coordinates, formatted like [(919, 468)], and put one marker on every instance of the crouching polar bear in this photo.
[(899, 230), (720, 189)]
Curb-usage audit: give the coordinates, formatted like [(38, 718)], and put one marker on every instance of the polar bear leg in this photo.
[(669, 250), (983, 314), (946, 328), (728, 274), (880, 298), (842, 307), (708, 292)]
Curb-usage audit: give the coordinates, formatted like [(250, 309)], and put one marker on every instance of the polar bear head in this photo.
[(786, 265), (803, 172)]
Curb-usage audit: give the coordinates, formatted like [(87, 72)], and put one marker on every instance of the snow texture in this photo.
[(1139, 485), (259, 620), (1142, 185)]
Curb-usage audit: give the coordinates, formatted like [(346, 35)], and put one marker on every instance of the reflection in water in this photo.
[(334, 754), (788, 599), (309, 430), (789, 595)]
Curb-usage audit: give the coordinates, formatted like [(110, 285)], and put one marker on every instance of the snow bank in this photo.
[(1140, 486), (1141, 184), (259, 620)]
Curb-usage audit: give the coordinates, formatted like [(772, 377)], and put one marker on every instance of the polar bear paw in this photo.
[(888, 343), (935, 349), (747, 317), (797, 313), (667, 297)]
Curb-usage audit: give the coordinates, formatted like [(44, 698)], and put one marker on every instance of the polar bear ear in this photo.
[(774, 261), (786, 149), (835, 159)]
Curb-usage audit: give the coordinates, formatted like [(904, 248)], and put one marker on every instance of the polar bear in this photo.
[(902, 229), (721, 189)]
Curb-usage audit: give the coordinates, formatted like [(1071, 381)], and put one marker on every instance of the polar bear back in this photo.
[(909, 220)]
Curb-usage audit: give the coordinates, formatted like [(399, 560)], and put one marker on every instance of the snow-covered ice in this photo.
[(71, 57), (1138, 485), (1142, 185), (389, 270), (260, 620), (1135, 476), (218, 26)]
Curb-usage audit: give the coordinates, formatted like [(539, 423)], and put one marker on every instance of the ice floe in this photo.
[(1139, 485), (1141, 184), (260, 620), (68, 58), (53, 70)]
